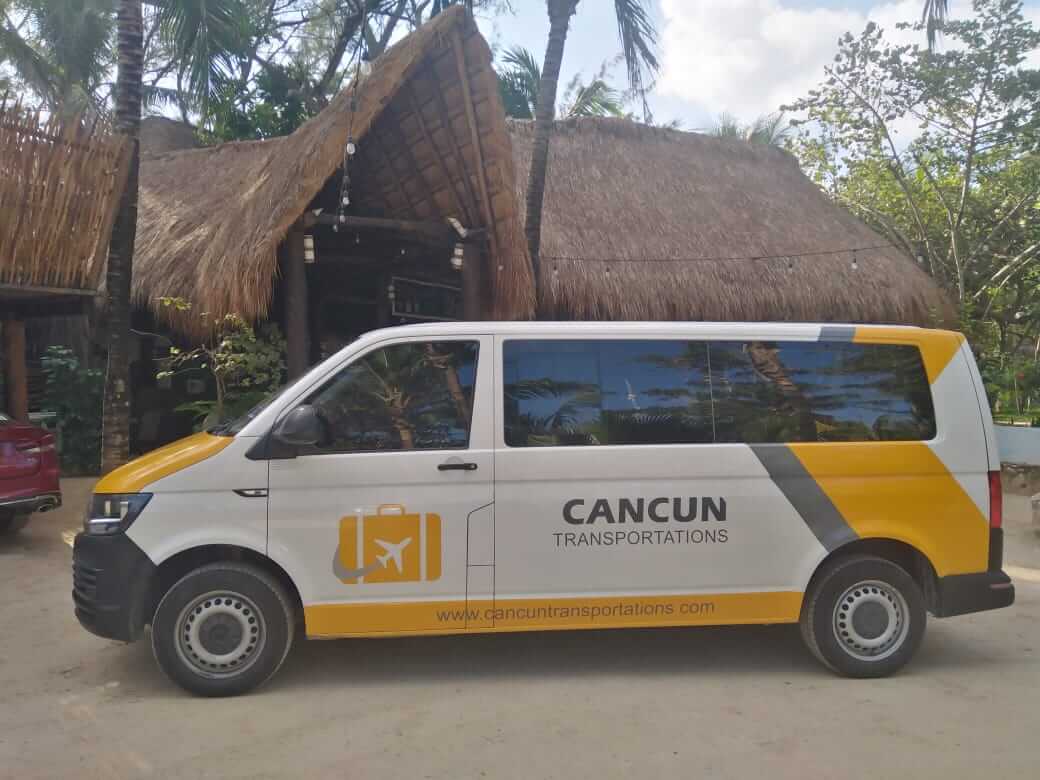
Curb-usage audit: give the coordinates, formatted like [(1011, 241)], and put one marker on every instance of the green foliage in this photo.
[(74, 393), (519, 78), (246, 366), (769, 130), (960, 192)]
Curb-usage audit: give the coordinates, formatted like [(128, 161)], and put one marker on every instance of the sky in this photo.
[(744, 57)]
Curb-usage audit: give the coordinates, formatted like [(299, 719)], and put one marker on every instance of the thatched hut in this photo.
[(640, 223), (61, 178), (235, 228)]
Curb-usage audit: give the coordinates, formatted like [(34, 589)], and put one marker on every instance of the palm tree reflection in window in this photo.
[(403, 397)]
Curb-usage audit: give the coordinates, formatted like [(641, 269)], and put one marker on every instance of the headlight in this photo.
[(110, 513)]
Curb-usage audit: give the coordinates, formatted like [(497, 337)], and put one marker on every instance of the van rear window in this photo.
[(600, 392)]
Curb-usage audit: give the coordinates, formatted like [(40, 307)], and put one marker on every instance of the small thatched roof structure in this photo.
[(160, 135), (61, 179), (618, 190), (432, 144)]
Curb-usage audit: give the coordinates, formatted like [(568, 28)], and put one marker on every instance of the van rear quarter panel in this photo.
[(932, 495)]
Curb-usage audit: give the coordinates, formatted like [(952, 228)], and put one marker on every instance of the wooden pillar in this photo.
[(297, 320), (16, 373), (472, 297)]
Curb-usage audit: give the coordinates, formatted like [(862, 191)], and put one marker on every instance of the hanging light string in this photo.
[(350, 148), (788, 256)]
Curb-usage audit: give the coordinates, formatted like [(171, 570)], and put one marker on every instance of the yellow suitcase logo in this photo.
[(390, 546)]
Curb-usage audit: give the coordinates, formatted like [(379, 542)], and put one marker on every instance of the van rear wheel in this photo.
[(863, 616), (223, 629)]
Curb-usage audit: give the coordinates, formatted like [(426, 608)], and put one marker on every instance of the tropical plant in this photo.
[(519, 79), (246, 366), (74, 394), (638, 44), (962, 191), (769, 130)]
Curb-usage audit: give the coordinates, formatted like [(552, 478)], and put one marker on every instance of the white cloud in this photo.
[(748, 57)]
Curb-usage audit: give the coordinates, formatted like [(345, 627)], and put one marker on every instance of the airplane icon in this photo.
[(393, 552)]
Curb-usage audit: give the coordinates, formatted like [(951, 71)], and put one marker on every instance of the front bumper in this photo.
[(41, 502), (112, 585), (960, 594)]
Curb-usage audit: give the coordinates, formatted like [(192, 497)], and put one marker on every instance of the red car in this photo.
[(28, 473)]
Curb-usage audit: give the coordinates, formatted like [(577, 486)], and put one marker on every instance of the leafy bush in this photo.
[(75, 394), (246, 366)]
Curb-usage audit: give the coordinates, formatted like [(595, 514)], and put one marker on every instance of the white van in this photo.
[(475, 477)]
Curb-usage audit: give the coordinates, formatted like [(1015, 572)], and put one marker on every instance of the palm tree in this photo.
[(767, 130), (933, 15), (638, 42), (115, 422), (518, 85)]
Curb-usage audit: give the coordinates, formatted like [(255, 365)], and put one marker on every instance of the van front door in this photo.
[(382, 520)]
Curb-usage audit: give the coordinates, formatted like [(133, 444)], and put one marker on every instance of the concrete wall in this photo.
[(1018, 445)]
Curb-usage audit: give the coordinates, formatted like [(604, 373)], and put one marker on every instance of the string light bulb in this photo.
[(855, 261)]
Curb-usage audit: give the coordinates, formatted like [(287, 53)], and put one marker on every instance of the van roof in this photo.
[(803, 330)]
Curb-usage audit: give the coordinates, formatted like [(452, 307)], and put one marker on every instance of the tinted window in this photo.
[(560, 393), (405, 397), (819, 391)]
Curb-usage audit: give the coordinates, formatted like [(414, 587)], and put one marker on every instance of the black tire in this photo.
[(205, 623), (852, 638), (12, 522)]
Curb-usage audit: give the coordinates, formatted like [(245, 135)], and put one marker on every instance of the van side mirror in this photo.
[(302, 427)]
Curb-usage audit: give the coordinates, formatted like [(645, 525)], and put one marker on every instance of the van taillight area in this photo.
[(996, 501)]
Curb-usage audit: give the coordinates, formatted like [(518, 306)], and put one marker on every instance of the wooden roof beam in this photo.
[(471, 117)]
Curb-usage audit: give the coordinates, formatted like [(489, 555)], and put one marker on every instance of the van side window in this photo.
[(598, 392), (775, 392), (414, 396)]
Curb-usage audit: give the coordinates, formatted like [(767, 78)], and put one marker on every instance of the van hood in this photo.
[(174, 457)]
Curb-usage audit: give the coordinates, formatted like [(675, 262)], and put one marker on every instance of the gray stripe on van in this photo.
[(805, 495), (837, 333)]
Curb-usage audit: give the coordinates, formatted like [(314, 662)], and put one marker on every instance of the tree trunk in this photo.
[(560, 12), (115, 428)]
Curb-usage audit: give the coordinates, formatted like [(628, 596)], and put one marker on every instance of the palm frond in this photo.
[(726, 126), (769, 130), (596, 98), (934, 16), (205, 36), (638, 42)]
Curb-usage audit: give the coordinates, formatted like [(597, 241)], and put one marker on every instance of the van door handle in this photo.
[(457, 466)]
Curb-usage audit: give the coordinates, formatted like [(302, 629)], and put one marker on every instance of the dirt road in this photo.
[(734, 702)]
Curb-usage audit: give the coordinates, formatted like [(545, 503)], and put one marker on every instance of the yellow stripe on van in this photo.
[(143, 471), (902, 490), (326, 621), (937, 346)]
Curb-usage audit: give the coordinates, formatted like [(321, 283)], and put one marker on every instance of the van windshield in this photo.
[(233, 427)]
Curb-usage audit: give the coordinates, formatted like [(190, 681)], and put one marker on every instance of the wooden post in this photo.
[(472, 299), (297, 335), (16, 373)]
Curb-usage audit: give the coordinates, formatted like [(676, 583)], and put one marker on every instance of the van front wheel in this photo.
[(863, 616), (223, 629)]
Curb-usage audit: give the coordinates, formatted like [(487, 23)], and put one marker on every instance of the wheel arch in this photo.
[(903, 554), (171, 570)]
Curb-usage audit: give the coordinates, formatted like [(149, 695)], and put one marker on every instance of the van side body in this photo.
[(536, 476)]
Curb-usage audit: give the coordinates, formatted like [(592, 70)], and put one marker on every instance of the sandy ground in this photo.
[(728, 702)]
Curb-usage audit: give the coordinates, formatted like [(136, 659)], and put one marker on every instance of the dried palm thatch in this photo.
[(60, 182), (432, 143), (620, 190)]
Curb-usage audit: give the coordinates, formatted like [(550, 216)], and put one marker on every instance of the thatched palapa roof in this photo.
[(61, 178), (211, 220), (621, 190)]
